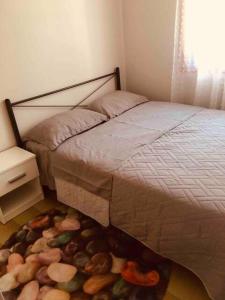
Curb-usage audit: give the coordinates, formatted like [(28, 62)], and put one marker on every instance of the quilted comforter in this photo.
[(161, 166), (171, 196)]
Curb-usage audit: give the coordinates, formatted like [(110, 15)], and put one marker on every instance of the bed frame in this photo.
[(10, 105)]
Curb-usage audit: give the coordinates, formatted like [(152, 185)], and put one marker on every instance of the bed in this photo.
[(155, 171), (103, 149)]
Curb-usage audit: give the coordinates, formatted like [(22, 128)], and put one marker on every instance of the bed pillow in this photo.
[(116, 103), (55, 130)]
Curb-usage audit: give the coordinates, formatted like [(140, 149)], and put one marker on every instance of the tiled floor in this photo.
[(183, 284)]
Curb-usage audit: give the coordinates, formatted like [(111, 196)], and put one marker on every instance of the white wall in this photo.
[(149, 35), (46, 45)]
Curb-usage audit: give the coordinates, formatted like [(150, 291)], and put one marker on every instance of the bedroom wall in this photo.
[(46, 45), (149, 35)]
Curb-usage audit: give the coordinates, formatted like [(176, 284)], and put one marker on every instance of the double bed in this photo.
[(82, 167), (155, 170)]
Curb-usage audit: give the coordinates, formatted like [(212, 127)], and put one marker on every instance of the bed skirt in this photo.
[(82, 200)]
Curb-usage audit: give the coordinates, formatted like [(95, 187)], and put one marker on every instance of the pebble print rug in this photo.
[(65, 255)]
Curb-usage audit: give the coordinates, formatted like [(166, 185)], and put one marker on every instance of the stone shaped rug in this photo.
[(65, 255)]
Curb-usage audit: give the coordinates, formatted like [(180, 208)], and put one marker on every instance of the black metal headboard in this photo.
[(9, 104)]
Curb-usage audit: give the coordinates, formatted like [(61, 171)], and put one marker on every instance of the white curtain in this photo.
[(199, 55)]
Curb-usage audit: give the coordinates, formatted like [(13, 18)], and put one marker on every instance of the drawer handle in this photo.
[(18, 177)]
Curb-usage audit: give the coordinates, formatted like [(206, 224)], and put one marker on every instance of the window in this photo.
[(203, 31)]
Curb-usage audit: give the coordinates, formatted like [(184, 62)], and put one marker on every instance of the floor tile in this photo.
[(185, 285)]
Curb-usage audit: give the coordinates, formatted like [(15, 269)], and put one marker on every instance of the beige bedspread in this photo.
[(44, 160), (173, 190), (162, 166), (93, 156)]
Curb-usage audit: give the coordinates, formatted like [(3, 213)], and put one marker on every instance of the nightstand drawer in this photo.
[(18, 176)]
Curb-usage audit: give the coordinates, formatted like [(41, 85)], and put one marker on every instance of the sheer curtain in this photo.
[(199, 56)]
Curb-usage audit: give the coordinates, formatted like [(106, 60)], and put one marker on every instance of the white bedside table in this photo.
[(19, 182)]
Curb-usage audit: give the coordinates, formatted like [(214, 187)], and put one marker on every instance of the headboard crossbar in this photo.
[(10, 105), (17, 104)]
